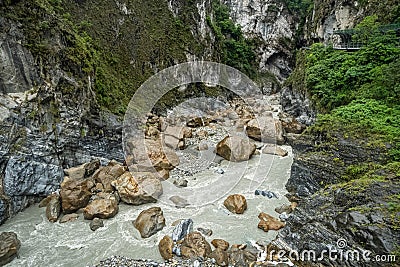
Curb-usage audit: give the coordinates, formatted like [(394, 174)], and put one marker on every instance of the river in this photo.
[(74, 244)]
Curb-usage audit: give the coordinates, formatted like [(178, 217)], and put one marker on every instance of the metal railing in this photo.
[(348, 46)]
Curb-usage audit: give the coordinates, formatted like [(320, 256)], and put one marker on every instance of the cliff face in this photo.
[(49, 115), (273, 24), (64, 63), (331, 209), (330, 15), (336, 200)]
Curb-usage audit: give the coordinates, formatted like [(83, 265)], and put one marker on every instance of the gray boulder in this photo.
[(182, 229)]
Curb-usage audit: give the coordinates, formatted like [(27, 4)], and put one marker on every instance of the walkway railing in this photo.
[(346, 37), (348, 46)]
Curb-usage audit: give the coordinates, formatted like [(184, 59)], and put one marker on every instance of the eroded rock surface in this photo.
[(149, 222)]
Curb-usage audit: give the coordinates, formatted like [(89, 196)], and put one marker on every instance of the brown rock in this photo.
[(178, 132), (53, 208), (203, 134), (179, 201), (195, 245), (220, 243), (239, 246), (152, 156), (143, 187), (274, 150), (83, 171), (173, 142), (269, 223), (286, 208), (236, 203), (69, 217), (291, 125), (238, 257), (99, 187), (45, 201), (280, 140), (75, 194), (202, 146), (165, 247), (101, 208), (149, 222), (105, 175), (220, 256), (265, 129), (9, 246), (235, 148), (152, 132), (163, 174)]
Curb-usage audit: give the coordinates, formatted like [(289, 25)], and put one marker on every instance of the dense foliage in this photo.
[(356, 93), (233, 48), (335, 78), (357, 96)]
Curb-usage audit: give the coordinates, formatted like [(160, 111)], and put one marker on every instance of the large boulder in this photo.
[(53, 208), (236, 148), (82, 171), (105, 175), (194, 245), (149, 222), (265, 129), (165, 247), (102, 208), (152, 155), (9, 246), (75, 194), (139, 188), (268, 222), (236, 203), (174, 137)]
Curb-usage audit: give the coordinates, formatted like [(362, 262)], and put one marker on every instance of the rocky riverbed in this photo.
[(195, 188)]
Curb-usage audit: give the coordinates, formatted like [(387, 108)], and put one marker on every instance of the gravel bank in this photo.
[(120, 261)]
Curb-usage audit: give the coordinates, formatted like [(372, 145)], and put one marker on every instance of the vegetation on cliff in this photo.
[(357, 97), (232, 48), (356, 93), (122, 44)]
